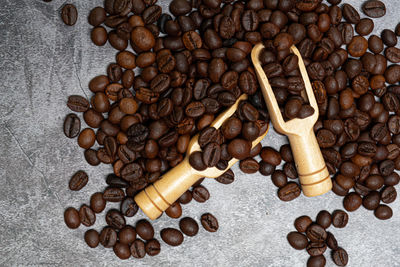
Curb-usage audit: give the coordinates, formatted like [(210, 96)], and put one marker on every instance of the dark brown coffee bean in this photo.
[(153, 247), (316, 248), (350, 14), (71, 218), (324, 219), (115, 219), (92, 238), (211, 154), (186, 197), (209, 222), (302, 223), (72, 125), (108, 237), (340, 218), (239, 148), (352, 201), (189, 226), (138, 249), (340, 257), (289, 192), (87, 216), (196, 161), (78, 181), (69, 14), (179, 7), (388, 194), (142, 39), (132, 172), (374, 9), (331, 241), (383, 212), (297, 240), (122, 251), (77, 103), (389, 38), (316, 261), (226, 178), (129, 207), (113, 194), (145, 230), (316, 233), (200, 194), (171, 236)]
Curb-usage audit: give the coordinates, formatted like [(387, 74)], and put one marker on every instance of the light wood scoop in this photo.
[(156, 198), (311, 167)]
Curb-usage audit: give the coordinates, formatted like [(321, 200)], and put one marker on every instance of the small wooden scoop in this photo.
[(311, 167), (156, 198)]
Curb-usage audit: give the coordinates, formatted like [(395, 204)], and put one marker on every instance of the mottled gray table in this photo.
[(42, 61)]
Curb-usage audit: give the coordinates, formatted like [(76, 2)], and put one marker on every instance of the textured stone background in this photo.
[(42, 61)]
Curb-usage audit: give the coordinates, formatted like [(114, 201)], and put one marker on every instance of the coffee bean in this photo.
[(153, 247), (138, 249), (316, 233), (388, 194), (145, 230), (316, 261), (339, 218), (174, 211), (209, 222), (196, 161), (142, 39), (189, 226), (389, 38), (226, 178), (97, 202), (324, 219), (113, 194), (383, 212), (352, 201), (171, 236), (200, 194), (72, 125), (127, 235), (340, 257), (69, 14), (331, 241), (289, 192), (108, 237), (316, 248), (129, 207), (71, 218), (374, 9), (350, 14), (297, 240), (115, 219), (92, 238), (302, 223), (87, 216)]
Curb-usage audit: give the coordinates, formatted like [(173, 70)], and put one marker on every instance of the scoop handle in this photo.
[(156, 198), (311, 168)]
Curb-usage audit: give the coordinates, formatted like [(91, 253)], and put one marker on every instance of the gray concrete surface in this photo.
[(42, 61)]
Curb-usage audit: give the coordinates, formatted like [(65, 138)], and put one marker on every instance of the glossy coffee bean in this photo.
[(171, 236)]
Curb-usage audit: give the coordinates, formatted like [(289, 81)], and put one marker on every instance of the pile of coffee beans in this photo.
[(282, 71), (173, 74), (314, 237), (233, 140)]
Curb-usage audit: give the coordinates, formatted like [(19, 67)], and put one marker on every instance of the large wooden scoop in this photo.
[(311, 167), (156, 198)]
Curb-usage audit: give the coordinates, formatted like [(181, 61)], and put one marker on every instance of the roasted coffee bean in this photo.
[(108, 237), (71, 218), (339, 218), (211, 154), (138, 249), (350, 14), (145, 230), (374, 9), (113, 194), (388, 194), (77, 103), (196, 161), (239, 148), (171, 236), (383, 212), (179, 7), (69, 14), (324, 219), (371, 201), (122, 251), (153, 247), (142, 39), (316, 233), (340, 257), (72, 125), (115, 219), (189, 226), (331, 241), (316, 248), (302, 223), (92, 238), (186, 197), (226, 178), (352, 201), (209, 222), (97, 202), (132, 172), (389, 38), (78, 181), (289, 192), (129, 207), (297, 240), (200, 194), (174, 211), (316, 261)]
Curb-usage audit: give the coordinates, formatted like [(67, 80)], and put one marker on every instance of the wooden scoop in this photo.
[(311, 167), (156, 198)]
